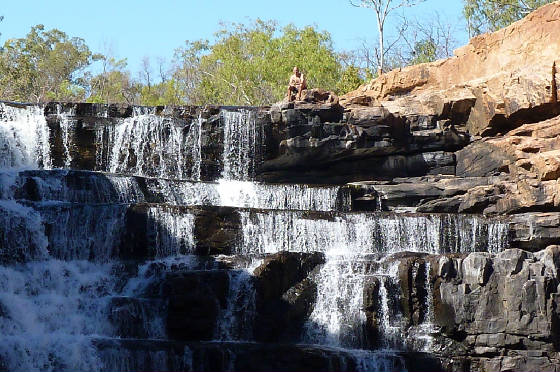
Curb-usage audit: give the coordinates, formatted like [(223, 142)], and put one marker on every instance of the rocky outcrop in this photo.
[(495, 83), (487, 312), (514, 173), (284, 294), (317, 144), (500, 311)]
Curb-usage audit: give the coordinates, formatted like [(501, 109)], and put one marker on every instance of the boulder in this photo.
[(195, 300), (284, 294)]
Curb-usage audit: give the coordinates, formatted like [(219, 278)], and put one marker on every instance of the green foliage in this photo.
[(245, 65), (491, 15), (114, 84), (251, 65), (162, 94), (43, 65), (350, 79), (424, 51)]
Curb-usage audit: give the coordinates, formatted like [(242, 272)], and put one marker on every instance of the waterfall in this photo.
[(173, 233), (87, 258), (235, 321), (145, 144), (22, 235), (49, 310), (247, 194), (24, 138), (83, 231), (336, 319), (73, 187), (64, 118), (98, 188), (391, 318), (274, 231), (241, 138), (195, 143)]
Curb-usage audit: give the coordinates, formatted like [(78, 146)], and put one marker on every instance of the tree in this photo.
[(491, 15), (382, 9), (45, 65), (427, 40), (250, 65), (113, 84), (350, 79)]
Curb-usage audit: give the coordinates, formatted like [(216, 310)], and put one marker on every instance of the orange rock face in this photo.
[(535, 149), (503, 79)]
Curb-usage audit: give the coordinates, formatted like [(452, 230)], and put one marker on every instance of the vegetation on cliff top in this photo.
[(491, 15), (243, 65)]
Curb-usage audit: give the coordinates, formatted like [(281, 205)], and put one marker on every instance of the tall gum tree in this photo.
[(382, 9)]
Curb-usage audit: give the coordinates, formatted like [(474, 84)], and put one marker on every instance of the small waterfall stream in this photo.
[(65, 124), (241, 141), (24, 138), (87, 258)]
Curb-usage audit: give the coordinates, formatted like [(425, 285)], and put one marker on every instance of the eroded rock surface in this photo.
[(498, 81)]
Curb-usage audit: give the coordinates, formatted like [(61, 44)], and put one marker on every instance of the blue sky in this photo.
[(134, 29)]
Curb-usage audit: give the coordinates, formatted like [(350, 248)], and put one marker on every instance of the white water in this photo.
[(391, 318), (65, 120), (145, 144), (275, 231), (22, 235), (195, 142), (235, 322), (98, 188), (336, 319), (173, 232), (50, 309), (24, 138), (84, 232), (241, 138), (246, 194)]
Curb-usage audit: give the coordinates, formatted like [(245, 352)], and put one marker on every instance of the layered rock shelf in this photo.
[(413, 224)]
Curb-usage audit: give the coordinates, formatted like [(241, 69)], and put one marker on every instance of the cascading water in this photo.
[(64, 118), (94, 187), (235, 321), (24, 138), (195, 141), (49, 310), (246, 194), (241, 138), (146, 144), (348, 242), (83, 256), (173, 234), (274, 231)]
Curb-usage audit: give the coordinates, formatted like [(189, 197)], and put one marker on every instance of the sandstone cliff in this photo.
[(499, 80)]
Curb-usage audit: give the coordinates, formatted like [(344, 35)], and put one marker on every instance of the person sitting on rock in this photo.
[(297, 85)]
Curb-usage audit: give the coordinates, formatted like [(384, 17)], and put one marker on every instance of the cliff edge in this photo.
[(498, 81)]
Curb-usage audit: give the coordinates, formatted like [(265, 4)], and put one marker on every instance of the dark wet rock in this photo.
[(153, 355), (195, 300), (137, 318), (284, 294), (490, 312)]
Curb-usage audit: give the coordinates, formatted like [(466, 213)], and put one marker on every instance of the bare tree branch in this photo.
[(382, 9)]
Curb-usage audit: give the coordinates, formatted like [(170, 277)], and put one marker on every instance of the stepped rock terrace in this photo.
[(275, 238)]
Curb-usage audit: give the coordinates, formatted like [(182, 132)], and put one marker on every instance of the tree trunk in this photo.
[(381, 65)]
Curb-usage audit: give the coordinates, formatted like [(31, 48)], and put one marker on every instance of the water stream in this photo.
[(82, 256)]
